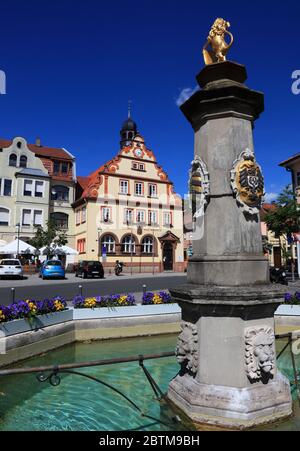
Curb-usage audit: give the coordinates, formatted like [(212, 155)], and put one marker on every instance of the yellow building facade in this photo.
[(127, 210)]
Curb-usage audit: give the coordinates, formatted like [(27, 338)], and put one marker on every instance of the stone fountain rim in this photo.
[(230, 295)]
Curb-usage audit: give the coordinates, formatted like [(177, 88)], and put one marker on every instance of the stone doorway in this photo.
[(168, 257), (168, 243)]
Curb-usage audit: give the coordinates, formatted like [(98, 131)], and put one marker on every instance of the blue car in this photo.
[(52, 269)]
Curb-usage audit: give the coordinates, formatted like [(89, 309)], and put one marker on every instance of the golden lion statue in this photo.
[(216, 40)]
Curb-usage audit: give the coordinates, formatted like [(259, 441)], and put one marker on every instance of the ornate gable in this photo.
[(138, 149)]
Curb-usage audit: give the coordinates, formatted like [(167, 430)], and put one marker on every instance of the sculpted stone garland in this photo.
[(259, 352), (187, 348), (247, 183)]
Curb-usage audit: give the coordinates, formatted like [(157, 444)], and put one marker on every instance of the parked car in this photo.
[(11, 268), (88, 268), (52, 269)]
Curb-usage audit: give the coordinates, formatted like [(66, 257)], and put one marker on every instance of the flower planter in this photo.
[(288, 310), (123, 312), (39, 322)]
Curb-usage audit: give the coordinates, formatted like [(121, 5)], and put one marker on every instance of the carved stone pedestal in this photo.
[(227, 346), (227, 354)]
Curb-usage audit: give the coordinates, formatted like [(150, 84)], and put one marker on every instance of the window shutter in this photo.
[(26, 217), (38, 217), (4, 216)]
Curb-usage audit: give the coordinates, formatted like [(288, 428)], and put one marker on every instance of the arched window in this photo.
[(60, 192), (4, 217), (147, 245), (109, 243), (13, 160), (61, 220), (23, 161), (128, 245)]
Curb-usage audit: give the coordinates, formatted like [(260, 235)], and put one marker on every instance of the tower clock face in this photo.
[(138, 153)]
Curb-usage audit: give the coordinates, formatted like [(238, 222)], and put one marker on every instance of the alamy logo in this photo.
[(2, 82), (296, 342), (296, 83), (2, 343)]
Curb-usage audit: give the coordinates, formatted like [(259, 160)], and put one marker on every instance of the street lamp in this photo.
[(18, 226), (129, 223), (99, 242), (153, 247), (131, 252)]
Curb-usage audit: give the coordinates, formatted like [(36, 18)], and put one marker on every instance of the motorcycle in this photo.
[(118, 268), (278, 275)]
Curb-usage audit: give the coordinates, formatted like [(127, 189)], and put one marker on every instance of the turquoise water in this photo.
[(78, 404)]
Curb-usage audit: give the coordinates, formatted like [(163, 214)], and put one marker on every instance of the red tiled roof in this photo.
[(85, 184), (266, 208), (290, 160), (51, 152), (83, 181)]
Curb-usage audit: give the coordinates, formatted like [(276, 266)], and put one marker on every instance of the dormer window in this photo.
[(64, 168), (13, 160), (61, 167), (56, 167)]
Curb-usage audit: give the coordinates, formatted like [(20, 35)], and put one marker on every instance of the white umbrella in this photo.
[(14, 248), (58, 250), (2, 243)]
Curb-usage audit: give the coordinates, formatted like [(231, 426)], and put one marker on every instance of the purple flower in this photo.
[(288, 297), (78, 302), (147, 298), (131, 299), (166, 297), (60, 299)]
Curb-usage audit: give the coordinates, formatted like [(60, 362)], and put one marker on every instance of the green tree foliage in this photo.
[(285, 218), (50, 237)]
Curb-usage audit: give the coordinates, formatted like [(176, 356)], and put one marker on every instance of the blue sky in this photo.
[(71, 67)]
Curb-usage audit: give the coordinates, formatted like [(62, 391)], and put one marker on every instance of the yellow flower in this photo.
[(32, 306), (2, 316), (157, 299), (58, 305), (122, 300), (90, 302)]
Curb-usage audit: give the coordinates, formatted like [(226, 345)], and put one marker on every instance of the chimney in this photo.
[(38, 142)]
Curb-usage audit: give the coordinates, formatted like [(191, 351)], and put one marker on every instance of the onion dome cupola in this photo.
[(128, 131)]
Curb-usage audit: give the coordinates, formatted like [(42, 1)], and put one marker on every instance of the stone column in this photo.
[(226, 348), (222, 115)]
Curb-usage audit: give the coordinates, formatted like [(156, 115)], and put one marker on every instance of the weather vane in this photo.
[(217, 43), (129, 108)]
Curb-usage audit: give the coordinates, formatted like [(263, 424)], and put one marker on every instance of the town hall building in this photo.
[(127, 210)]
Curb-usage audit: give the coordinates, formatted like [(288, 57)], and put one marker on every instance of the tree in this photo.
[(50, 237), (284, 219)]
